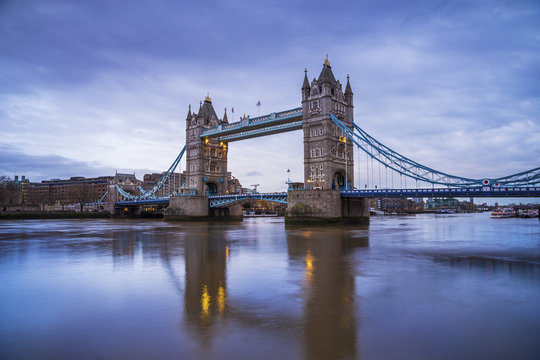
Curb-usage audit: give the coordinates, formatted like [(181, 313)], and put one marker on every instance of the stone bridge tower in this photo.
[(206, 159), (328, 154)]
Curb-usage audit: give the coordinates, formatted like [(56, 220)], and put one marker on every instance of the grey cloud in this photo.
[(43, 167)]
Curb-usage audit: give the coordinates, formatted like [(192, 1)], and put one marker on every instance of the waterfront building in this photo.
[(442, 203), (75, 190), (400, 205)]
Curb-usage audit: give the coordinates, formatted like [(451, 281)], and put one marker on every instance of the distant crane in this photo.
[(255, 187)]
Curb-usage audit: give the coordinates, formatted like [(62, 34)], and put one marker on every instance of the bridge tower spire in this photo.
[(328, 156)]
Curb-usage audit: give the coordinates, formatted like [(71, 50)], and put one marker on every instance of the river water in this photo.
[(417, 287)]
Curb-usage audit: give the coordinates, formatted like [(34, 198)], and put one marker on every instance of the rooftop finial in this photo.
[(326, 62), (207, 98)]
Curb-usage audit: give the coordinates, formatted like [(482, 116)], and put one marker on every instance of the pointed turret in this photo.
[(305, 86), (188, 117), (327, 76), (348, 92), (206, 111), (225, 119)]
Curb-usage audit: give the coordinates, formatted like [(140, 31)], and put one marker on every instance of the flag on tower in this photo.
[(259, 103)]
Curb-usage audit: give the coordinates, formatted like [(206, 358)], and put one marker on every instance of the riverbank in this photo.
[(21, 215)]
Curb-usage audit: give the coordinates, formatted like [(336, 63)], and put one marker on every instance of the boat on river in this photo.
[(503, 213), (529, 213)]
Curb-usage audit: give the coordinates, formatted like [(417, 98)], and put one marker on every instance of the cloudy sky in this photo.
[(88, 87)]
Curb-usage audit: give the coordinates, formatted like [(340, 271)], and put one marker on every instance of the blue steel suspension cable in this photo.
[(412, 169)]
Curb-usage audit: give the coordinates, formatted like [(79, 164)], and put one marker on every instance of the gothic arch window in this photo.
[(338, 181)]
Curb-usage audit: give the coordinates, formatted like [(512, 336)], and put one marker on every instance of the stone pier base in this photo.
[(324, 207), (195, 208), (355, 211)]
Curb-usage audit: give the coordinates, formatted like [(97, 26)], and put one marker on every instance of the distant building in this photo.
[(442, 203), (123, 179), (467, 206), (374, 203), (76, 189), (233, 185), (400, 205), (175, 181)]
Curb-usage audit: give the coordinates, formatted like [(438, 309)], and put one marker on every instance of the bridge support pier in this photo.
[(230, 213), (129, 211), (195, 208), (325, 207)]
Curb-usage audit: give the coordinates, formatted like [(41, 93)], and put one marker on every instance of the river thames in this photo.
[(415, 287)]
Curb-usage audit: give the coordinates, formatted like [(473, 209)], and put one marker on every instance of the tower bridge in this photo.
[(330, 135)]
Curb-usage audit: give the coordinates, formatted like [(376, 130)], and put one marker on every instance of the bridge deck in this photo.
[(446, 192), (223, 200), (273, 123)]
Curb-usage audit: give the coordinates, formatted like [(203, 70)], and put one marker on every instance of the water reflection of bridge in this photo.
[(317, 314), (325, 325), (322, 323)]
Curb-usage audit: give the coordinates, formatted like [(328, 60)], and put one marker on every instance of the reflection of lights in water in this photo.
[(226, 252), (307, 234), (309, 266), (205, 302), (221, 298)]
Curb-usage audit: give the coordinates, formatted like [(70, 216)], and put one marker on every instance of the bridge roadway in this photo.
[(281, 197)]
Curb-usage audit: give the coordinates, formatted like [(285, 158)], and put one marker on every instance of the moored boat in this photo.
[(502, 213), (529, 213)]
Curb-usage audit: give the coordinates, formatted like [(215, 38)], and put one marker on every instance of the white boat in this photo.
[(502, 213)]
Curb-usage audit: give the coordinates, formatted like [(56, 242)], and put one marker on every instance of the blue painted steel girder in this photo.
[(445, 192), (154, 201), (268, 130), (223, 200), (266, 125)]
